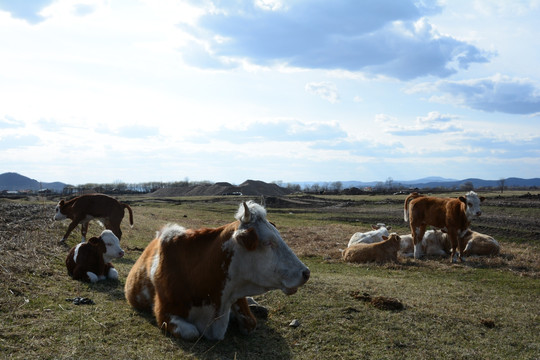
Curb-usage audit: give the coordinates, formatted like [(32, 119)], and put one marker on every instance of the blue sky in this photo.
[(302, 90)]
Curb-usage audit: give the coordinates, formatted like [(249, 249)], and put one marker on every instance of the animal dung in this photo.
[(81, 301), (379, 302)]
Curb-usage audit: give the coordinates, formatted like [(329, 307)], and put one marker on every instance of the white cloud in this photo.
[(433, 123), (387, 38), (326, 90), (494, 94)]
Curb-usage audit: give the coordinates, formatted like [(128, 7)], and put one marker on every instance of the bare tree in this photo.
[(467, 186), (501, 183)]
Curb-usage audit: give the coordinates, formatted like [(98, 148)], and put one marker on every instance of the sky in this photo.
[(103, 91)]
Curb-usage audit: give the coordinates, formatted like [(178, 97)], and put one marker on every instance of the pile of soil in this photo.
[(248, 187)]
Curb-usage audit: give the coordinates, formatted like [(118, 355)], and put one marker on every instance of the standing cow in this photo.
[(194, 280), (452, 215), (84, 208)]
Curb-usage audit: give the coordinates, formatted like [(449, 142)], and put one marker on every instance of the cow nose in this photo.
[(305, 274), (121, 253), (478, 213)]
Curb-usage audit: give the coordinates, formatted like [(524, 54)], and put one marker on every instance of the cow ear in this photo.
[(248, 239), (62, 202), (94, 241), (463, 199), (385, 237), (374, 227)]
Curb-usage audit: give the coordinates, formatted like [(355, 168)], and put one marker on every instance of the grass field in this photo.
[(486, 308)]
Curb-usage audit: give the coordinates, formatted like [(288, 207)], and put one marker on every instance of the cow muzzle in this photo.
[(292, 290)]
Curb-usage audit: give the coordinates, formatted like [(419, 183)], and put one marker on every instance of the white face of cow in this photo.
[(472, 201), (262, 260), (58, 214), (112, 246)]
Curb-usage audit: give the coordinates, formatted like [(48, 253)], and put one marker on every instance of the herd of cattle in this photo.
[(196, 280), (450, 216)]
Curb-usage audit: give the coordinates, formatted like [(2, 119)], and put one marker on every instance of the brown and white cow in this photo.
[(376, 252), (452, 215), (91, 261), (194, 280), (84, 208), (480, 244), (434, 243), (370, 237)]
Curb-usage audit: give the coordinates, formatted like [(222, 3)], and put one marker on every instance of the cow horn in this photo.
[(247, 214)]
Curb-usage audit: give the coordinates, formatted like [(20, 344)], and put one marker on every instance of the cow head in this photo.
[(58, 211), (110, 245), (381, 225), (472, 202), (262, 260)]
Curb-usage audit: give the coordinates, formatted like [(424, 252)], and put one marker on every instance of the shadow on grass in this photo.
[(263, 343)]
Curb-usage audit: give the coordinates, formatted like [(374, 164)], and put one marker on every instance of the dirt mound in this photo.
[(248, 187)]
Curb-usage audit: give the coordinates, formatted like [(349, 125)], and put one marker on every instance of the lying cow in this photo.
[(194, 280), (84, 208), (91, 261), (370, 237), (451, 215), (377, 252), (480, 245), (434, 243)]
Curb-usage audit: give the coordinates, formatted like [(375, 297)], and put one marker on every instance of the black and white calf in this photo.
[(91, 261)]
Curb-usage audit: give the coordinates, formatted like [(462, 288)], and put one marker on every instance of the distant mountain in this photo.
[(15, 182), (433, 182)]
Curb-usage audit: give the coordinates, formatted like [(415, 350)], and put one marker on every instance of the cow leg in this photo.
[(452, 235), (113, 223), (111, 272), (462, 245), (84, 231), (81, 274), (70, 228), (418, 235), (174, 324), (243, 315), (116, 230)]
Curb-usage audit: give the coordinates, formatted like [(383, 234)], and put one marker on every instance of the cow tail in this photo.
[(408, 199), (126, 206)]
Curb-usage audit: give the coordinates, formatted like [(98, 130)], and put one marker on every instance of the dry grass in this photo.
[(485, 308)]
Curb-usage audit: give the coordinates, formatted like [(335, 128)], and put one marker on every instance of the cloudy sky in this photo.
[(273, 90)]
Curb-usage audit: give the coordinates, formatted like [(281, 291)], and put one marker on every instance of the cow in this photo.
[(194, 280), (480, 244), (91, 261), (375, 235), (434, 243), (376, 252), (87, 207), (452, 215)]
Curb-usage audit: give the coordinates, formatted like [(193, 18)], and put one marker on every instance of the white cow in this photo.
[(434, 243), (370, 237), (480, 244)]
